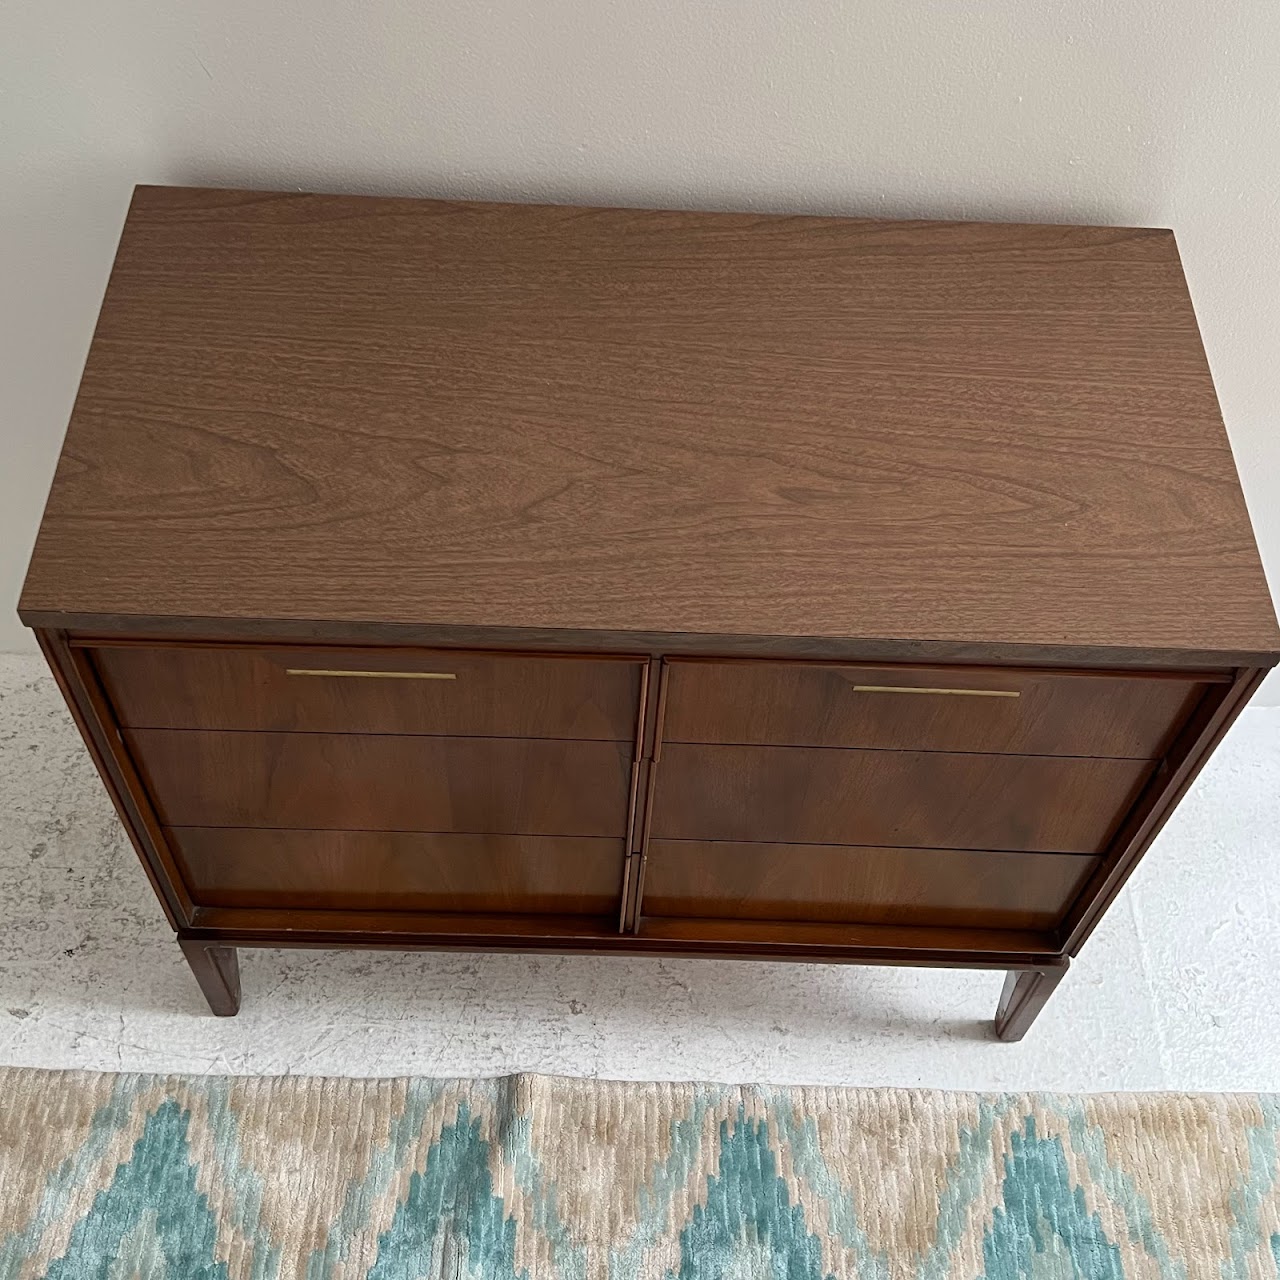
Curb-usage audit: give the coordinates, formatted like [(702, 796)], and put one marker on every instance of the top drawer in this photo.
[(411, 691), (1011, 711)]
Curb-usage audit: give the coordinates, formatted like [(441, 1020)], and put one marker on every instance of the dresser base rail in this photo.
[(1032, 975)]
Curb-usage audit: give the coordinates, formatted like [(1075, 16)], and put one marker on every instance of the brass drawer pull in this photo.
[(374, 675), (911, 688)]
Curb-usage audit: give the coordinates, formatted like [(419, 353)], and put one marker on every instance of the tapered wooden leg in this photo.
[(217, 970), (1025, 994)]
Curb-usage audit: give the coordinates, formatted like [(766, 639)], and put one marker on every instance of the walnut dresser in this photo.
[(500, 577)]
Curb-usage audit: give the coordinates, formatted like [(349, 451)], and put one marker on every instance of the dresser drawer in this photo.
[(1011, 711), (720, 879), (399, 871), (385, 782), (892, 798), (372, 691)]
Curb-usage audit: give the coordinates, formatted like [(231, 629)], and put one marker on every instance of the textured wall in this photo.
[(1162, 112)]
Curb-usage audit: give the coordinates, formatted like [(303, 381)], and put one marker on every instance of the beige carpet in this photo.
[(117, 1176)]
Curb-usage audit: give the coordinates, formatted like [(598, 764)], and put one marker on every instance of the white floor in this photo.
[(1178, 989)]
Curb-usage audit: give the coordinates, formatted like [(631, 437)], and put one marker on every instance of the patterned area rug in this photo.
[(117, 1176)]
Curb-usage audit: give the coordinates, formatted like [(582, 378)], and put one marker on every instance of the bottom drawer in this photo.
[(399, 871), (836, 883)]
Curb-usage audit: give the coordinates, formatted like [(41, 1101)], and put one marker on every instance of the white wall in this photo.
[(1162, 112)]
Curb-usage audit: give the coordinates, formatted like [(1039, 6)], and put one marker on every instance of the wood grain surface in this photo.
[(704, 878), (926, 799), (402, 871), (515, 786), (800, 940), (371, 691), (336, 410), (926, 708)]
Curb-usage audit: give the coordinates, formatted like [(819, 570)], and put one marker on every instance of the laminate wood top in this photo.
[(589, 422)]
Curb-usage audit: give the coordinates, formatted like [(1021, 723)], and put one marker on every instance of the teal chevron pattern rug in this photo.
[(112, 1177)]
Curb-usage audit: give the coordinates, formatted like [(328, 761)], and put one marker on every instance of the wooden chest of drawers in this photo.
[(425, 574)]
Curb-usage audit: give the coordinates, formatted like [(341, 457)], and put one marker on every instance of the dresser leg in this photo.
[(217, 970), (1025, 993)]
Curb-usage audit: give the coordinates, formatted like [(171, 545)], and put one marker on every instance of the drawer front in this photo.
[(926, 709), (385, 782), (399, 871), (372, 691), (892, 798), (719, 879)]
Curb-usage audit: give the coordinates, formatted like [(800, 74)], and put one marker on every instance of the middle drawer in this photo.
[(928, 799), (385, 782)]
